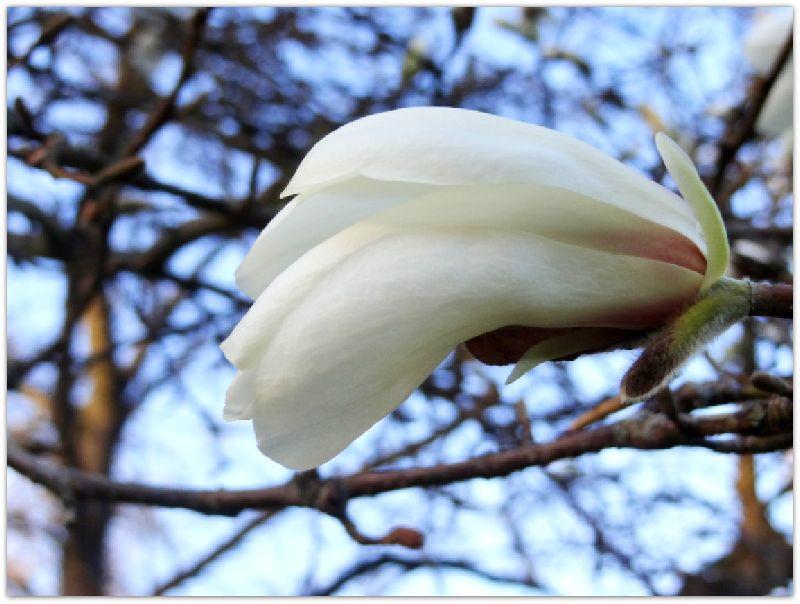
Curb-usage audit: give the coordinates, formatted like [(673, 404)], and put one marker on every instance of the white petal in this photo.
[(684, 173), (562, 346), (311, 218), (554, 213), (356, 324), (762, 47), (777, 114), (239, 397), (766, 38), (446, 146), (362, 340)]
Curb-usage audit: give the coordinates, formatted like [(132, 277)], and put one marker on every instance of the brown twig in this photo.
[(772, 300), (741, 130), (50, 30), (597, 413), (164, 109), (216, 553), (649, 432), (745, 230), (754, 418), (410, 564)]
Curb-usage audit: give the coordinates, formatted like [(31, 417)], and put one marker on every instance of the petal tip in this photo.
[(521, 368), (285, 456), (707, 214)]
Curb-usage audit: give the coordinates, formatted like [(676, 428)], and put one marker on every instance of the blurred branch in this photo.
[(744, 230), (601, 540), (647, 431), (216, 553), (410, 564), (30, 247), (772, 300), (169, 242), (164, 109), (35, 214), (127, 171), (759, 560), (740, 131), (50, 30)]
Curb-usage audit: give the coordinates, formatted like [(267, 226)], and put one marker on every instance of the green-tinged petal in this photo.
[(562, 346), (684, 173)]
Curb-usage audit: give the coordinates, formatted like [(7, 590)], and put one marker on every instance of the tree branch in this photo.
[(772, 300), (648, 431), (224, 547), (740, 131), (409, 564), (166, 106)]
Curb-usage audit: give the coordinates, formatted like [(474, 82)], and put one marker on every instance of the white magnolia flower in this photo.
[(762, 47), (417, 229)]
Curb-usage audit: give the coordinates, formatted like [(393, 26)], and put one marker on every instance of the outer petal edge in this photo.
[(684, 173)]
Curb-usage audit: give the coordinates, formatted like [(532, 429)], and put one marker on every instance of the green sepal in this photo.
[(725, 303)]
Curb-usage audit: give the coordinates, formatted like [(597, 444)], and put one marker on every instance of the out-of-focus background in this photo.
[(146, 150)]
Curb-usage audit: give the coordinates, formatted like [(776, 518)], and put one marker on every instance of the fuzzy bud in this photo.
[(725, 303)]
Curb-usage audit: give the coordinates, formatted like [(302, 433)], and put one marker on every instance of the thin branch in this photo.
[(751, 444), (745, 230), (164, 109), (743, 129), (216, 553), (410, 564), (772, 300), (50, 30), (648, 432)]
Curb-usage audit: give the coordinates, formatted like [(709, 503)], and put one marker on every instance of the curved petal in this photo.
[(447, 146), (553, 213), (777, 114), (568, 344), (684, 173), (510, 343), (362, 339), (311, 218), (762, 46), (239, 397), (765, 39), (349, 330)]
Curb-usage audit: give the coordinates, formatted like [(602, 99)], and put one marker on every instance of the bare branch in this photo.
[(166, 106), (739, 132), (649, 432), (216, 553)]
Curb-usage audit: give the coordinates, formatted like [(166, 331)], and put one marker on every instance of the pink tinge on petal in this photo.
[(508, 344), (658, 243), (643, 317)]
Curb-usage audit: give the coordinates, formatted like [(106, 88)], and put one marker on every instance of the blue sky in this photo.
[(166, 442)]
